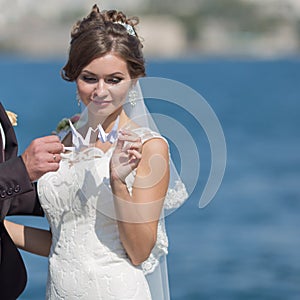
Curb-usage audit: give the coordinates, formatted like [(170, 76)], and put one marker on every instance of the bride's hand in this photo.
[(126, 155)]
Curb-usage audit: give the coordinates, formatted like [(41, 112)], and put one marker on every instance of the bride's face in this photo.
[(103, 84)]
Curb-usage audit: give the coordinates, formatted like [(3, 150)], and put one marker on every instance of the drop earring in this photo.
[(132, 97), (78, 98)]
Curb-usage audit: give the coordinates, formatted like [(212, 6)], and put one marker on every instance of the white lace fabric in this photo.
[(87, 259)]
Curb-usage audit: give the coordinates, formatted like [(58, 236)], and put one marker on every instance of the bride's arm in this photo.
[(34, 240), (138, 213)]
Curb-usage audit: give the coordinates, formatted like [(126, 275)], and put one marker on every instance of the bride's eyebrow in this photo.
[(88, 72), (116, 73), (108, 75)]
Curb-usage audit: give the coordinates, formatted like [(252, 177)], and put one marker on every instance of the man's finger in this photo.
[(54, 147), (49, 139), (53, 158)]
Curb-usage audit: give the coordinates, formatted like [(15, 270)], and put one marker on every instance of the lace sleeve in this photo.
[(160, 248), (174, 198)]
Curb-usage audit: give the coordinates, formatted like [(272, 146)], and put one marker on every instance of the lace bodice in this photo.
[(87, 259)]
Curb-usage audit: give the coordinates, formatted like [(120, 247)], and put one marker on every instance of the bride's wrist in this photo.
[(117, 183)]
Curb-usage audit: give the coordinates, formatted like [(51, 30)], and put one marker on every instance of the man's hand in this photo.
[(42, 156)]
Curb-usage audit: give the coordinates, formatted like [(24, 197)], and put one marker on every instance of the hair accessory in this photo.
[(128, 27)]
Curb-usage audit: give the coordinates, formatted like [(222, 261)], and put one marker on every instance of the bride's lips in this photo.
[(101, 102)]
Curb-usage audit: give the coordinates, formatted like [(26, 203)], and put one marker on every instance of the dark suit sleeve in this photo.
[(16, 187)]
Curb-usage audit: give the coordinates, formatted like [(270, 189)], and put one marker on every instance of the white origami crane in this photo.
[(111, 136), (79, 141)]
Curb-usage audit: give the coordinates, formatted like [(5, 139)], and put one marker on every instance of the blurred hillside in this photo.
[(169, 28)]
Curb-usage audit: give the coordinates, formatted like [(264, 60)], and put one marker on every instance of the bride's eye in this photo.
[(114, 80), (88, 79)]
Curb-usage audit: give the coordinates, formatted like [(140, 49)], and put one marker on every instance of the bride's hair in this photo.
[(102, 32)]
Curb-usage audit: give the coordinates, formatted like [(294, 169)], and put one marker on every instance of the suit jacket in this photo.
[(17, 197)]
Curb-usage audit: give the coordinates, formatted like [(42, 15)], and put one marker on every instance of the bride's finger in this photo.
[(120, 144), (128, 132), (128, 135), (134, 154), (134, 145)]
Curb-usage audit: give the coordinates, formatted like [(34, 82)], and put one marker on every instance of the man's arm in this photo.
[(18, 173), (14, 179), (17, 192)]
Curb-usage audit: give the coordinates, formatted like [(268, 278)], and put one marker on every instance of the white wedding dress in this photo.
[(87, 260)]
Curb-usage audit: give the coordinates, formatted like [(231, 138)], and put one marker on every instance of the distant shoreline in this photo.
[(6, 57)]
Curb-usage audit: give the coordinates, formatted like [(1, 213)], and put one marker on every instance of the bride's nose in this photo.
[(101, 89)]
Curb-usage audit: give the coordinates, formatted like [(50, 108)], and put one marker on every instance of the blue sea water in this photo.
[(245, 244)]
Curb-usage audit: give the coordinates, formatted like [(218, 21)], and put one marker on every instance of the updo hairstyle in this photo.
[(100, 33)]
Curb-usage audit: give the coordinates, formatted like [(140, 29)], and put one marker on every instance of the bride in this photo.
[(105, 204)]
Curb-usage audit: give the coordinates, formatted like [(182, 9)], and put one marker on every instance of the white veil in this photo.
[(155, 267)]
